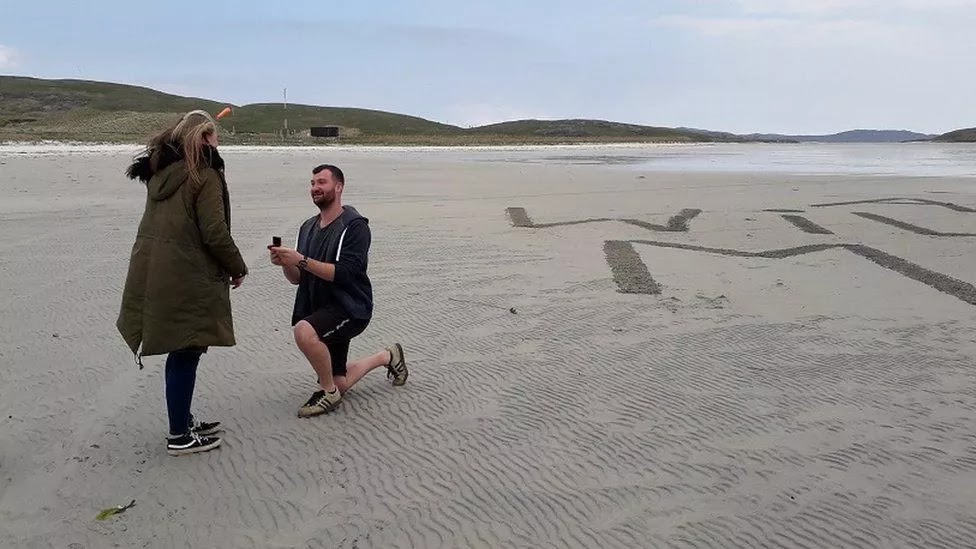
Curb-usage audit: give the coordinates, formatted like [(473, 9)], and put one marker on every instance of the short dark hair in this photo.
[(334, 170)]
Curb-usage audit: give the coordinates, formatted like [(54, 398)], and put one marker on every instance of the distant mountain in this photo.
[(727, 136), (852, 136), (967, 135), (581, 128)]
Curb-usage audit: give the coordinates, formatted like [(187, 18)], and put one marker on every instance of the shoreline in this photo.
[(515, 144), (857, 160)]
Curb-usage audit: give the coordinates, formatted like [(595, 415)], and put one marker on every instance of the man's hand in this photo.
[(285, 257), (235, 283), (275, 258)]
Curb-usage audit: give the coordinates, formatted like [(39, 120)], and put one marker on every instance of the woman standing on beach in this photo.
[(176, 299)]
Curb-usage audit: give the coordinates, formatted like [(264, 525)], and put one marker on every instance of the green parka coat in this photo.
[(177, 290)]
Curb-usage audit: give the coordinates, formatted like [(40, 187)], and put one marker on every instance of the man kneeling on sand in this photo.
[(334, 301)]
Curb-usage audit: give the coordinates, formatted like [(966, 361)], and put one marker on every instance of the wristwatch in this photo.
[(303, 264)]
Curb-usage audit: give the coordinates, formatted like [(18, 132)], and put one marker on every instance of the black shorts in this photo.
[(336, 330)]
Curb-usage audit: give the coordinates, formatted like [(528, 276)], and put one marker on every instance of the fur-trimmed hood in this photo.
[(142, 170)]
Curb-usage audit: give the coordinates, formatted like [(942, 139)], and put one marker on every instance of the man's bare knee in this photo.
[(305, 334)]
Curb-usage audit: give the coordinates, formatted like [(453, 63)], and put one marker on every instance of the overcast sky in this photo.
[(791, 66)]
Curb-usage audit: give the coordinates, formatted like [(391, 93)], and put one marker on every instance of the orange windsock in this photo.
[(225, 112)]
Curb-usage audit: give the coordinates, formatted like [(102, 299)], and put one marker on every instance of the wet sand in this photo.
[(736, 377)]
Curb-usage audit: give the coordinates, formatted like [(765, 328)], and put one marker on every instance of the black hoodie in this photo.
[(345, 243)]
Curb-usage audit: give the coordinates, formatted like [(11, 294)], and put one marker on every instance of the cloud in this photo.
[(8, 57), (825, 22), (904, 38), (839, 7), (790, 30)]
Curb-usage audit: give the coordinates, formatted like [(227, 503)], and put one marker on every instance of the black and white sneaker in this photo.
[(396, 368), (191, 444), (321, 402), (204, 428)]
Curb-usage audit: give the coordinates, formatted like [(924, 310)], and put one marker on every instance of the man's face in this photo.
[(324, 189)]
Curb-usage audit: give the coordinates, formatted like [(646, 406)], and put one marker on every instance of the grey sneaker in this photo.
[(396, 369), (320, 403)]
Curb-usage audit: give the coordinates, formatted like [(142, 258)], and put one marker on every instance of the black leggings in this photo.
[(181, 376)]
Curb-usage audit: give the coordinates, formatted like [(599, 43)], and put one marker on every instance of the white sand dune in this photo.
[(819, 399)]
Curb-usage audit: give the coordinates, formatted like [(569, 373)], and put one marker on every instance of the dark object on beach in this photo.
[(324, 131), (510, 309), (276, 241), (115, 510), (806, 225), (680, 222)]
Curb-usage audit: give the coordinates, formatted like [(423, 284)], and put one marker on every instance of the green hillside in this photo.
[(587, 128), (967, 135), (34, 96), (79, 110), (269, 117)]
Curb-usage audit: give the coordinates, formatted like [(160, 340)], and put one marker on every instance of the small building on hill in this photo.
[(324, 131)]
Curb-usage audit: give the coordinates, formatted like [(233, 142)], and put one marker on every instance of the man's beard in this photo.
[(324, 200)]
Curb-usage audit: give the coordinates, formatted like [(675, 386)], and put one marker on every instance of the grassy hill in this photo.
[(81, 110), (268, 118), (35, 96), (849, 136), (852, 136), (967, 135), (32, 108), (587, 129)]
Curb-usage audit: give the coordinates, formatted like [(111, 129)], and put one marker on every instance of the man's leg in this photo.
[(358, 368), (313, 336), (392, 358), (340, 354), (317, 353)]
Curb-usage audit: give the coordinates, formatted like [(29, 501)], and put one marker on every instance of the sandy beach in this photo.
[(753, 381)]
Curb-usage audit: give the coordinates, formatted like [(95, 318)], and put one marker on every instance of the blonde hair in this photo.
[(187, 138)]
